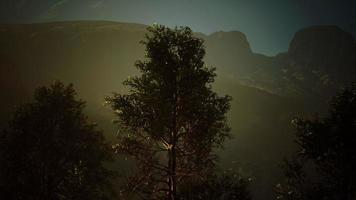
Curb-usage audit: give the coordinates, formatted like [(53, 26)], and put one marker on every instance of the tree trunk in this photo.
[(173, 175), (172, 151)]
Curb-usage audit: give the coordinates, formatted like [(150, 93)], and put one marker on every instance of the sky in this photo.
[(268, 24)]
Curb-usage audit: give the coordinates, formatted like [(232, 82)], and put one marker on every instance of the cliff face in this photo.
[(351, 28), (229, 51), (325, 48), (233, 43)]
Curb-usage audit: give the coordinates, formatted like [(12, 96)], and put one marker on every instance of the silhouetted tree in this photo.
[(51, 151), (326, 162), (216, 187), (171, 120)]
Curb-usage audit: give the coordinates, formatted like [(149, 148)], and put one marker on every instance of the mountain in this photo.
[(351, 28), (232, 54), (222, 46), (320, 60), (325, 48), (97, 56)]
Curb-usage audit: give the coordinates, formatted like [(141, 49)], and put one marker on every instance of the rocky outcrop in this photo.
[(324, 48)]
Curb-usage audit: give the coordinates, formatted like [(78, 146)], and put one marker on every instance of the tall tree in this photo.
[(51, 151), (324, 167), (170, 121)]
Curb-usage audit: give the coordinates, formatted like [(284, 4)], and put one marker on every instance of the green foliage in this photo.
[(328, 145), (51, 151), (216, 187), (171, 120)]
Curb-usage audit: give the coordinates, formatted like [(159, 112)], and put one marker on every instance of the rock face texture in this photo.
[(221, 47), (231, 53), (325, 48)]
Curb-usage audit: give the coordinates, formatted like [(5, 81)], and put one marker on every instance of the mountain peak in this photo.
[(326, 48), (325, 38), (232, 39)]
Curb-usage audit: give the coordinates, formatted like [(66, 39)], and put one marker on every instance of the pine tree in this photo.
[(170, 121)]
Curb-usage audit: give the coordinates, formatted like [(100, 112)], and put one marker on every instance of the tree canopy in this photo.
[(171, 120), (52, 151), (324, 167)]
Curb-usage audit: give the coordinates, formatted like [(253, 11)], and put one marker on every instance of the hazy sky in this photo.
[(268, 24)]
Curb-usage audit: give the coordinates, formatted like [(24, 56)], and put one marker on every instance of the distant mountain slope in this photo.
[(320, 59), (97, 56)]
